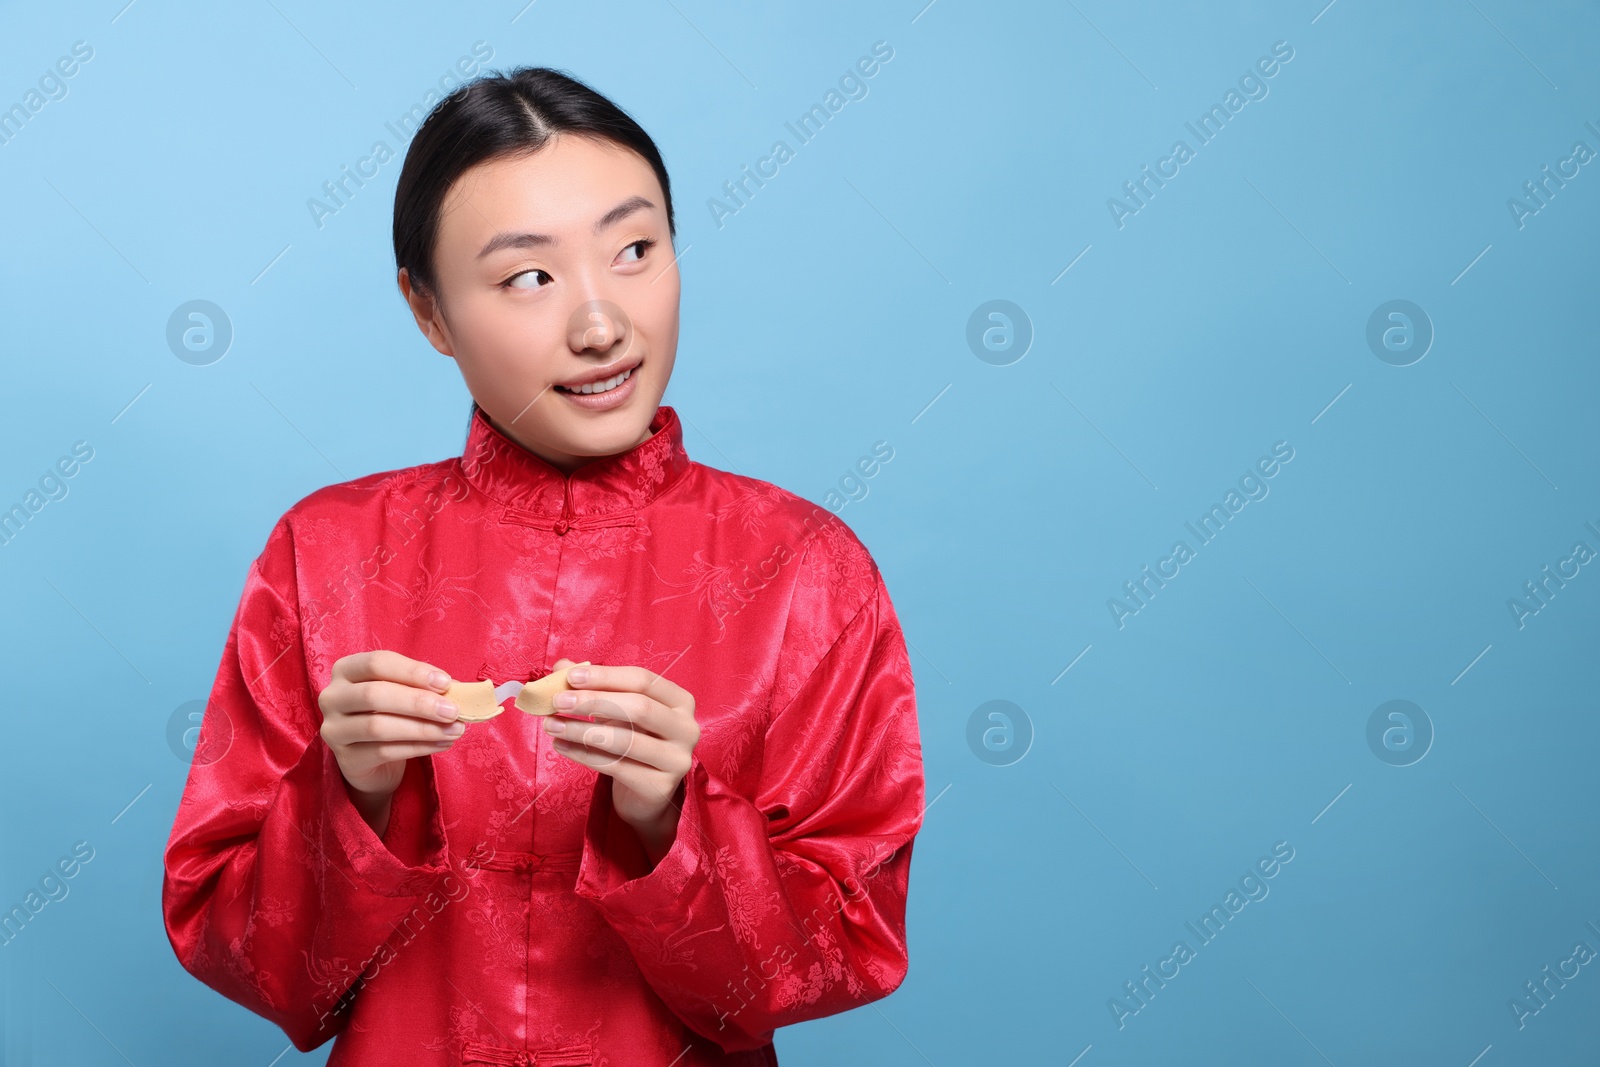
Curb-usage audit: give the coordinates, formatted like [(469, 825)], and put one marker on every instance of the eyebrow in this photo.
[(536, 240)]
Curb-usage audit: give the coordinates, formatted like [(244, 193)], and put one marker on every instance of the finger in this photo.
[(620, 742), (677, 715), (625, 768), (375, 753), (376, 726), (644, 713), (386, 665), (630, 679), (393, 698)]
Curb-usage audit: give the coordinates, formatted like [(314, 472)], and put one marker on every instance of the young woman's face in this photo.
[(553, 268)]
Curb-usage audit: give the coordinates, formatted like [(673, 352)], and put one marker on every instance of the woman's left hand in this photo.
[(643, 738)]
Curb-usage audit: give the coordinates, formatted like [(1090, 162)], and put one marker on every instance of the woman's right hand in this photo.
[(380, 709)]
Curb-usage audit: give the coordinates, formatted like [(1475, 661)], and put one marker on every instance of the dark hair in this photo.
[(495, 115)]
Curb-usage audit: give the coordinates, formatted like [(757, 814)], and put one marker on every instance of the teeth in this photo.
[(599, 387)]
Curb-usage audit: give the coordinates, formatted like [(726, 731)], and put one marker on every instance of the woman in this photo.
[(715, 841)]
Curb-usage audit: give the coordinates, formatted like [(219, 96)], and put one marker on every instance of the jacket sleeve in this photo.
[(276, 892), (788, 906)]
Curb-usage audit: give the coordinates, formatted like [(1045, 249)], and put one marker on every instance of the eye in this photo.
[(513, 281), (643, 245)]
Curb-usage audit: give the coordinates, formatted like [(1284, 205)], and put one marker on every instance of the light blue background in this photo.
[(831, 312)]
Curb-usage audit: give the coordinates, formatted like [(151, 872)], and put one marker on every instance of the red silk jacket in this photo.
[(507, 915)]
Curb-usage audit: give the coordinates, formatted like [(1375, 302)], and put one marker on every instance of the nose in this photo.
[(599, 326)]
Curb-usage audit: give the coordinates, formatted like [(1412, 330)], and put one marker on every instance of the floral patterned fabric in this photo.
[(508, 915)]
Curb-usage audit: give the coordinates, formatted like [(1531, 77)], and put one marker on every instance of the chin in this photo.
[(610, 432)]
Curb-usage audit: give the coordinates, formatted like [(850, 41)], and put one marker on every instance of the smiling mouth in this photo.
[(604, 386)]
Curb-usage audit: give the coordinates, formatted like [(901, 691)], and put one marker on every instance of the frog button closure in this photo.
[(504, 1056)]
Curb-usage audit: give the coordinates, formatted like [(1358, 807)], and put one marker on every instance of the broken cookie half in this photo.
[(475, 699), (535, 697)]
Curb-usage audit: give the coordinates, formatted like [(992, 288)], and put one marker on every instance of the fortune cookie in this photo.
[(535, 696), (475, 699)]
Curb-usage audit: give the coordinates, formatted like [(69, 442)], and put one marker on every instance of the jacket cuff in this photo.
[(615, 872), (412, 856)]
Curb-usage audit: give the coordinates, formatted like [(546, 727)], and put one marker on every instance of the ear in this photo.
[(425, 309)]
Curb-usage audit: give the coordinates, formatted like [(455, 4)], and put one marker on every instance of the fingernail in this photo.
[(446, 709), (455, 729), (577, 676), (439, 680), (565, 700), (553, 725)]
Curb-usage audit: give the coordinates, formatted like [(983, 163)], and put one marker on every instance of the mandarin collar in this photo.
[(608, 486)]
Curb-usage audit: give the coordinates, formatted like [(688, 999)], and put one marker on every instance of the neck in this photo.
[(565, 462)]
